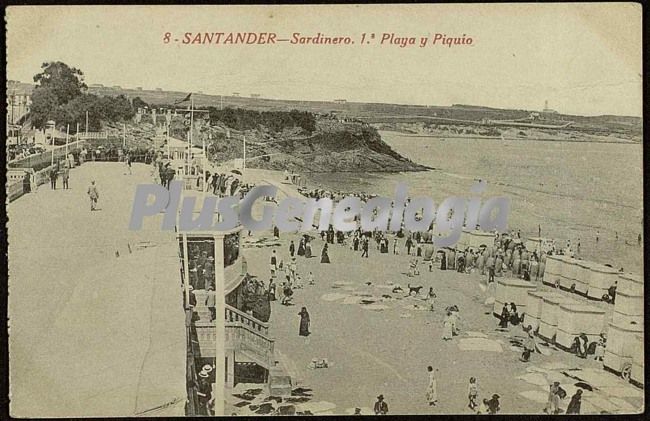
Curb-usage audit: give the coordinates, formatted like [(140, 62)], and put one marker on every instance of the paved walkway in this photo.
[(86, 326)]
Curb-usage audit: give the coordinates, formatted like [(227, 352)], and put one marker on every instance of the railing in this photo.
[(43, 159), (237, 316), (92, 135), (243, 333)]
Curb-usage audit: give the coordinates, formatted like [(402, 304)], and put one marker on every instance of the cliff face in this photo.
[(332, 147)]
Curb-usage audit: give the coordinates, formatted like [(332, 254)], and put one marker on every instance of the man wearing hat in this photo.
[(208, 272), (381, 407), (204, 391), (493, 405)]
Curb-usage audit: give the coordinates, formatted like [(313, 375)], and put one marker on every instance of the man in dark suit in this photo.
[(381, 407)]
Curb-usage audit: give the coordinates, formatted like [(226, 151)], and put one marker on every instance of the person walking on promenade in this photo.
[(94, 195), (127, 161), (432, 388), (381, 407), (54, 173), (65, 176)]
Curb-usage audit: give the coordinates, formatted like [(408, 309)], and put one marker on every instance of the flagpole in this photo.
[(168, 151), (67, 135), (189, 152), (205, 181)]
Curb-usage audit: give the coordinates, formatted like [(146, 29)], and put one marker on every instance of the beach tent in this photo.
[(601, 277), (583, 268), (628, 307), (549, 316), (534, 307), (621, 340), (553, 269), (574, 319), (568, 272), (511, 291), (638, 360)]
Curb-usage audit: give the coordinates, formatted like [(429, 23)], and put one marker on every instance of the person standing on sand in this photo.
[(574, 405), (553, 403), (529, 346), (493, 405), (304, 322), (94, 195), (365, 247), (409, 244), (472, 393), (292, 248), (432, 388), (505, 316), (381, 407), (324, 256)]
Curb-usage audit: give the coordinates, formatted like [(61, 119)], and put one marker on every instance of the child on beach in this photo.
[(472, 393)]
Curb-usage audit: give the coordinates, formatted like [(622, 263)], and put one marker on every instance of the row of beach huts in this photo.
[(559, 316), (574, 304)]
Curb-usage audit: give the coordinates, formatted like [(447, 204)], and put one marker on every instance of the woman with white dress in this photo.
[(432, 388)]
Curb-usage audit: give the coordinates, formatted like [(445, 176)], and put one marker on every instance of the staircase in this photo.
[(249, 339)]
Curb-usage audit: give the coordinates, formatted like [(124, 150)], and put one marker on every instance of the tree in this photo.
[(64, 81), (44, 105), (139, 103)]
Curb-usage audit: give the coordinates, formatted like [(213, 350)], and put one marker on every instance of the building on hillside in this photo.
[(547, 110)]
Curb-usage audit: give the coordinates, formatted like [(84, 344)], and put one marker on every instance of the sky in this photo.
[(584, 59)]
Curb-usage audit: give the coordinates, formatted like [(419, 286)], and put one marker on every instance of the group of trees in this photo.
[(241, 119), (60, 95)]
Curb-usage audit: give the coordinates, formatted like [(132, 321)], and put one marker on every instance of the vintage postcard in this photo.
[(325, 209)]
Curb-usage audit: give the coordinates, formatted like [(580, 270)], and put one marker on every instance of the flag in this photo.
[(184, 99)]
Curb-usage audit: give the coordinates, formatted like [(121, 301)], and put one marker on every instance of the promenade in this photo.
[(92, 334)]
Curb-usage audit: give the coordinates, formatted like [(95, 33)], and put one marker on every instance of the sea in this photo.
[(571, 190)]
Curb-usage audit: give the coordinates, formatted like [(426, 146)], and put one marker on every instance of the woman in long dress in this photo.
[(304, 322), (447, 325), (301, 247), (307, 248), (324, 257), (432, 388)]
